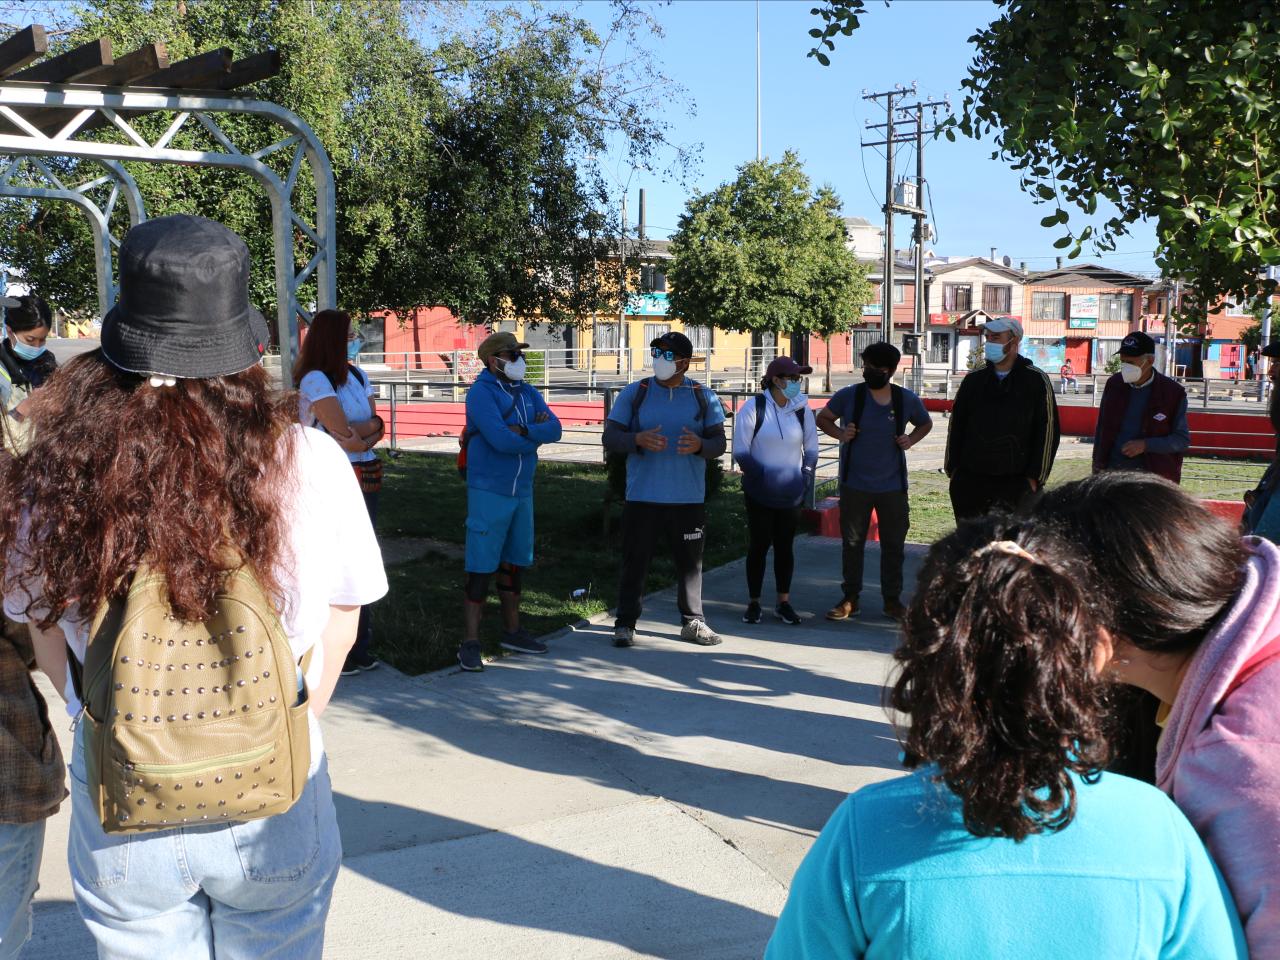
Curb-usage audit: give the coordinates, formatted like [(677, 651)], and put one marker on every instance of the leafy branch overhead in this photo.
[(1164, 109)]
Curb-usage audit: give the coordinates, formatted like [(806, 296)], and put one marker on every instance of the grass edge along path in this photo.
[(418, 625)]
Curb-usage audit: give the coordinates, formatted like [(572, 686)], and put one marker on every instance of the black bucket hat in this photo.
[(183, 309)]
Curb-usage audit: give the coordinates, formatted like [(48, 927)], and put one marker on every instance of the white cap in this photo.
[(1001, 324)]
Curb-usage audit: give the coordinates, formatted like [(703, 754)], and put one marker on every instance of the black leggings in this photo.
[(770, 527)]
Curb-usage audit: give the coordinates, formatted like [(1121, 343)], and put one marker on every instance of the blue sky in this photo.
[(709, 48)]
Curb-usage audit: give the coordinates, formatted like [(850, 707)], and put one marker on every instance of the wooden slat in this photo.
[(260, 66), (139, 63), (22, 48), (203, 71), (68, 67)]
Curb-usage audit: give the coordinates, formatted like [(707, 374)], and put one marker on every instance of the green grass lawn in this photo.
[(417, 627), (1216, 479)]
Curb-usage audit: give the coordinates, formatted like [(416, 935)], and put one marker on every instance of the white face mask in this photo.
[(513, 370), (663, 368), (1131, 372)]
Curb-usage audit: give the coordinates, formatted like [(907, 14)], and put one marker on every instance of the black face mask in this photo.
[(875, 378)]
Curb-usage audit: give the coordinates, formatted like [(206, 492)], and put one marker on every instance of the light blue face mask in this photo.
[(26, 352), (994, 352), (354, 347), (791, 389)]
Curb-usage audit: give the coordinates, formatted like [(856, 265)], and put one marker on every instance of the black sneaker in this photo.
[(624, 636), (360, 662), (469, 657), (521, 642), (753, 614), (785, 612)]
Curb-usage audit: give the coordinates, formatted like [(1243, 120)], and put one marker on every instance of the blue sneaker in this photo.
[(469, 657)]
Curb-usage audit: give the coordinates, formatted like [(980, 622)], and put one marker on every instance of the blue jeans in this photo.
[(259, 889), (20, 847)]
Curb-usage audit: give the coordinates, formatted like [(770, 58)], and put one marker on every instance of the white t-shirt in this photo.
[(333, 559), (352, 396)]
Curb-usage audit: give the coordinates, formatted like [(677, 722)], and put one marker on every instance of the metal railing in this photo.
[(396, 392)]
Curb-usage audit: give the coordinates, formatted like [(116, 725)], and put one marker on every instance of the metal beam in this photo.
[(117, 106)]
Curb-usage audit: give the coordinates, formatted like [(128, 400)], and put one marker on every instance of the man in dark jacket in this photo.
[(1004, 432), (1142, 421)]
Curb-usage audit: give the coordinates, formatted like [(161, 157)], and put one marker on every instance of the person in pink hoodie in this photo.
[(1194, 614)]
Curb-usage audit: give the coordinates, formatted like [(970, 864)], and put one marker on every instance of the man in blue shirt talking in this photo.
[(668, 426)]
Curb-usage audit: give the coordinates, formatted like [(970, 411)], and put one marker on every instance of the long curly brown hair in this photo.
[(996, 673), (119, 473)]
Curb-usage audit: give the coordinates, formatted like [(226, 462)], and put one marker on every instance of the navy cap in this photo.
[(674, 341), (1137, 344)]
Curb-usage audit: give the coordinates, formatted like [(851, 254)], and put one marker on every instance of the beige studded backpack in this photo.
[(192, 723)]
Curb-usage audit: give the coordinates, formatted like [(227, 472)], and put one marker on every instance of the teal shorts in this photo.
[(499, 530)]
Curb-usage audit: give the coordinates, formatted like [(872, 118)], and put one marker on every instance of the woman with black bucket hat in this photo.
[(167, 493)]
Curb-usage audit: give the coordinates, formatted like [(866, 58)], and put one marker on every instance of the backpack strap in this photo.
[(701, 399), (859, 404), (898, 399), (760, 408)]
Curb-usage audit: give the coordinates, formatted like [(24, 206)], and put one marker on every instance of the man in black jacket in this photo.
[(1004, 432)]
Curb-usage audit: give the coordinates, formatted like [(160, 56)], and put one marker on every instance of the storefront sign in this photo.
[(1084, 306), (1082, 323), (648, 305)]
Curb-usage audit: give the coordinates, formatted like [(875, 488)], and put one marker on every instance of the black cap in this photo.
[(1137, 344), (676, 342), (184, 306), (1271, 350)]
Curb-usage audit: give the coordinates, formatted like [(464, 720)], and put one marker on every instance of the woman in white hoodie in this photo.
[(775, 444)]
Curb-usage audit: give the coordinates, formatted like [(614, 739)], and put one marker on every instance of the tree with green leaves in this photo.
[(766, 252), (469, 148), (1164, 108)]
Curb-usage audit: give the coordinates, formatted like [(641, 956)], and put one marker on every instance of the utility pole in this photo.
[(911, 205), (759, 140)]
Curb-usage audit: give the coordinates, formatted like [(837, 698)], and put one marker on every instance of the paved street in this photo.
[(593, 803)]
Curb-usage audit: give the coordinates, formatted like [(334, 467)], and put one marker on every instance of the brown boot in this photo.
[(894, 610), (846, 608)]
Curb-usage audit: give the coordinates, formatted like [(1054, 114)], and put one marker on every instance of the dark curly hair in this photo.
[(119, 473), (996, 674)]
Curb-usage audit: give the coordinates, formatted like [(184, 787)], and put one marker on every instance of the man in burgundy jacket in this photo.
[(1142, 422)]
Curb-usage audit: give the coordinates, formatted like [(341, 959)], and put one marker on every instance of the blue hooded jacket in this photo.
[(500, 460)]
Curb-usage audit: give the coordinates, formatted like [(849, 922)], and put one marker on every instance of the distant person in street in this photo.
[(1142, 421), (668, 426), (1068, 374), (1262, 516), (1004, 434), (335, 396), (1193, 612), (775, 444), (507, 421), (1006, 840), (870, 420)]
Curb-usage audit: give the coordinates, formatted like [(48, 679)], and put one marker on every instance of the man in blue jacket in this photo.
[(507, 420), (669, 427)]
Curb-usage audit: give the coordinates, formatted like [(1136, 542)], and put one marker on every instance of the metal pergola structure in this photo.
[(49, 105)]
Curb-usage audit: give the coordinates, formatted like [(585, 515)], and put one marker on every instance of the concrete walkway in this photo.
[(593, 803)]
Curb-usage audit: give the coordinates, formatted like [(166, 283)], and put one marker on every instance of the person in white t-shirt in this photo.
[(162, 448), (335, 395)]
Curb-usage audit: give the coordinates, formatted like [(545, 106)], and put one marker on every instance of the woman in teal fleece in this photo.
[(1006, 839)]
